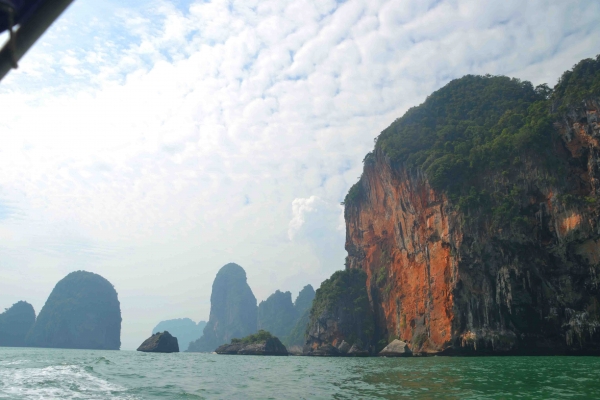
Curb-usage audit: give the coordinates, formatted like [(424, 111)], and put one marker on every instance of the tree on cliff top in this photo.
[(15, 323), (82, 312), (580, 83), (233, 311)]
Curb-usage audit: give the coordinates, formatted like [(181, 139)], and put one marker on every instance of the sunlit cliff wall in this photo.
[(450, 281)]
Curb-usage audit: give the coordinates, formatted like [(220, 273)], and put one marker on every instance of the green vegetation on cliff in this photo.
[(82, 312), (258, 337), (341, 310), (580, 83), (472, 139), (15, 323)]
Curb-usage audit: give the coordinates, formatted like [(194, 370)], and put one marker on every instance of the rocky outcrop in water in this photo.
[(15, 323), (160, 342), (397, 348), (233, 311), (477, 219), (184, 329), (82, 312), (260, 344), (340, 312)]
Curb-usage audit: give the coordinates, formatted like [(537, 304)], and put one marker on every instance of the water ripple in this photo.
[(82, 374)]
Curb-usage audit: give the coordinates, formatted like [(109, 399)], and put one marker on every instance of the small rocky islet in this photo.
[(160, 342), (261, 343)]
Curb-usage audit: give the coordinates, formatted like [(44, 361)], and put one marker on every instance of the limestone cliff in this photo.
[(15, 323), (82, 312), (476, 219), (233, 311)]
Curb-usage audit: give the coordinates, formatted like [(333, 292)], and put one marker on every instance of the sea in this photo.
[(27, 373)]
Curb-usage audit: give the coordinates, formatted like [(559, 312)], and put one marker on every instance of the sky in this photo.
[(152, 142)]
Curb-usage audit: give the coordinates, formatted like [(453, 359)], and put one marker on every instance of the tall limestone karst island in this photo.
[(235, 315), (82, 312), (476, 221), (232, 310)]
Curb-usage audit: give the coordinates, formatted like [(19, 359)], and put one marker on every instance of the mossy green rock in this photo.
[(261, 343)]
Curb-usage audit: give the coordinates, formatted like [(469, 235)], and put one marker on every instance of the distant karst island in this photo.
[(82, 312)]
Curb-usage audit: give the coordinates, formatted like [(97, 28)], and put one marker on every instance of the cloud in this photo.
[(314, 218), (319, 225), (154, 142)]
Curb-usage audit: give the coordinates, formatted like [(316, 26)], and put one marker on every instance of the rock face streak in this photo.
[(444, 284)]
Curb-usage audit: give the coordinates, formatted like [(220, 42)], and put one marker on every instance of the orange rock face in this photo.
[(403, 234)]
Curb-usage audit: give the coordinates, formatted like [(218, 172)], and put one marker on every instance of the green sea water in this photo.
[(81, 374)]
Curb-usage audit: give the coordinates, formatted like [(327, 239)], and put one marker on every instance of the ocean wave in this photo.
[(57, 382)]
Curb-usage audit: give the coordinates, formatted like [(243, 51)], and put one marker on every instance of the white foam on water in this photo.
[(56, 382)]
